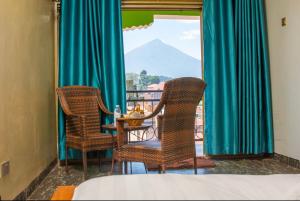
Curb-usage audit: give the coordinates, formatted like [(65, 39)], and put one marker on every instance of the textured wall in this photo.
[(285, 73), (27, 103)]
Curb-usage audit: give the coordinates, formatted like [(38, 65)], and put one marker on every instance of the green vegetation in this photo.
[(143, 80)]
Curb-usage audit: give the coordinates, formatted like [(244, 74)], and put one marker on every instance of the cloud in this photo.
[(188, 21), (190, 35)]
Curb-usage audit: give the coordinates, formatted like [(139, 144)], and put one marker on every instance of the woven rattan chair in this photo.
[(81, 106), (176, 128)]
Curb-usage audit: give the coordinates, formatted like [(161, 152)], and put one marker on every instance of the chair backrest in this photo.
[(81, 100), (180, 97)]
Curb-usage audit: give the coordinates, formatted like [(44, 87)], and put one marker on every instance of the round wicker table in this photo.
[(112, 127), (127, 129)]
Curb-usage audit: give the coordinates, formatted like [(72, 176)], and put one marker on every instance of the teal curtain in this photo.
[(91, 53), (236, 63)]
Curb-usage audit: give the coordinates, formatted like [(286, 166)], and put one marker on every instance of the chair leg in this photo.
[(146, 168), (120, 166), (66, 160), (84, 160), (163, 169), (195, 165), (126, 167), (99, 159), (112, 164)]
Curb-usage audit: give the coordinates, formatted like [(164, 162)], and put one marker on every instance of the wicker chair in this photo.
[(81, 107), (175, 128)]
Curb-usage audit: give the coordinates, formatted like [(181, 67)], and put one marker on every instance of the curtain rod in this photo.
[(155, 5)]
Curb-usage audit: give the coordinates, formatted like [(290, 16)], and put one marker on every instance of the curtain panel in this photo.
[(91, 53), (236, 61)]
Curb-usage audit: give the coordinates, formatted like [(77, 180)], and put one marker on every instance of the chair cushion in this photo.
[(147, 152), (97, 141)]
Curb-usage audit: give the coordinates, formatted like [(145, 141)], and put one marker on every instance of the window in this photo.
[(167, 48)]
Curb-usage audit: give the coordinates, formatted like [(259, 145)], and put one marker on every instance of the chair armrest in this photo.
[(159, 126), (79, 129), (102, 105), (105, 110), (71, 115)]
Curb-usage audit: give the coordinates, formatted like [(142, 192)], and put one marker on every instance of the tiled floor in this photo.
[(58, 177)]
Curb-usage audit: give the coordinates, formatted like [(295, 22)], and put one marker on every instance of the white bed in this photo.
[(190, 187)]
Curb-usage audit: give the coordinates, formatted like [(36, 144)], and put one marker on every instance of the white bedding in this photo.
[(190, 187)]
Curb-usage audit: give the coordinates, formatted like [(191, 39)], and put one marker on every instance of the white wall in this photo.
[(285, 74)]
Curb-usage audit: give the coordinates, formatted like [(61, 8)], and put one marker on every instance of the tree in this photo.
[(153, 79), (143, 79)]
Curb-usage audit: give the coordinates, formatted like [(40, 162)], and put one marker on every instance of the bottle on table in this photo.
[(117, 114)]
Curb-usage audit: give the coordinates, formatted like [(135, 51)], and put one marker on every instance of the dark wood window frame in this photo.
[(161, 4), (157, 4)]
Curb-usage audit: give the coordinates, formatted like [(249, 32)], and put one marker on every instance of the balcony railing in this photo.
[(148, 100)]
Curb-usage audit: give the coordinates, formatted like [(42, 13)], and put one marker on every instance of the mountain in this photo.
[(158, 58)]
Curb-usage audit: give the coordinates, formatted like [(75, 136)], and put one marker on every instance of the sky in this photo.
[(181, 34)]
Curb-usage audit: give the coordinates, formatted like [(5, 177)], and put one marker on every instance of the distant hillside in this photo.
[(158, 58), (164, 78)]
